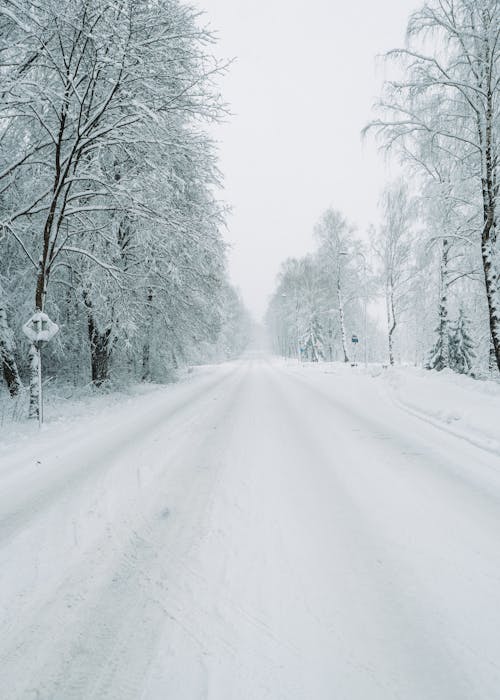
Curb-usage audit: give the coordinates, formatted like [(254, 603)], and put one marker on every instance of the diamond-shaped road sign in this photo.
[(40, 327)]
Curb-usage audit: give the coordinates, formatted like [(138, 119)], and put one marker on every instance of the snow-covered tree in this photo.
[(393, 247), (322, 290), (448, 94), (7, 354), (462, 345), (108, 212), (337, 250), (312, 341)]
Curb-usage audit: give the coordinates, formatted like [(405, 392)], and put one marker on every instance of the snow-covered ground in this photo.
[(257, 531), (64, 404), (466, 407)]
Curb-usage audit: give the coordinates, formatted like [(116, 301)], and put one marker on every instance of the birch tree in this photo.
[(335, 236), (317, 296), (394, 250), (450, 92)]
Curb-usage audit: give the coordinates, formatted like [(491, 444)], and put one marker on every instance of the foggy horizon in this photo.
[(299, 96)]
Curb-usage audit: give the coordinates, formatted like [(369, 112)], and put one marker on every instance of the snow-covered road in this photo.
[(259, 532)]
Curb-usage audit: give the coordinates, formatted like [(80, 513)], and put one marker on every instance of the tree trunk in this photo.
[(491, 279), (175, 363), (100, 352), (391, 319), (146, 348), (101, 347), (341, 318), (443, 330), (34, 351), (488, 236), (492, 360), (34, 360), (7, 358), (146, 362)]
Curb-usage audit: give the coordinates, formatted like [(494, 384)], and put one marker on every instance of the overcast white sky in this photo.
[(301, 90)]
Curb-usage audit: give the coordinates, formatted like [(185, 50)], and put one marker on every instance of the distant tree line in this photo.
[(319, 299)]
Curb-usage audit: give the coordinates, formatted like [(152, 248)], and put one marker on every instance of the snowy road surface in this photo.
[(257, 532)]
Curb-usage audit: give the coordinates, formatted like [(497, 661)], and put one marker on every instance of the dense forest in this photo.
[(109, 217), (432, 263)]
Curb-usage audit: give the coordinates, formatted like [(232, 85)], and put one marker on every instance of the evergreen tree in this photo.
[(461, 345), (439, 355), (313, 341)]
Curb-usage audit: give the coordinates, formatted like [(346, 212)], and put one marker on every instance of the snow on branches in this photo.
[(107, 181)]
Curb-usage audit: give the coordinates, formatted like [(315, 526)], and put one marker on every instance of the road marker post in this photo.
[(40, 329)]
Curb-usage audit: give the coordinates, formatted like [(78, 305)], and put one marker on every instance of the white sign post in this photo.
[(40, 329), (354, 341)]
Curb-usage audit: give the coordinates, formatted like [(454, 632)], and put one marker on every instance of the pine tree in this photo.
[(313, 341), (461, 345), (439, 356)]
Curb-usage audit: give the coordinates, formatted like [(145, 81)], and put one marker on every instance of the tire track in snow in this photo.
[(432, 480), (97, 460), (108, 590)]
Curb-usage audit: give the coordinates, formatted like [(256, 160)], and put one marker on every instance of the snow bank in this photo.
[(65, 405), (465, 407), (468, 408)]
